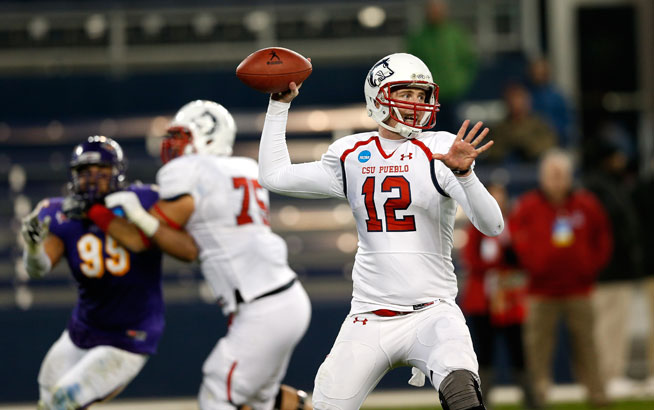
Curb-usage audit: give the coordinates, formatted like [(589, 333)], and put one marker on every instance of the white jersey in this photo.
[(238, 250), (404, 203)]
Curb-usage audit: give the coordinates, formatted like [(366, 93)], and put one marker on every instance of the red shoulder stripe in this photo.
[(423, 147), (361, 143)]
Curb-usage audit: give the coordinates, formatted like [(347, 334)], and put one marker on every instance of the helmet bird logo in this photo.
[(206, 122), (379, 72)]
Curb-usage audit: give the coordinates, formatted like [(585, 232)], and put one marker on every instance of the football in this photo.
[(271, 69)]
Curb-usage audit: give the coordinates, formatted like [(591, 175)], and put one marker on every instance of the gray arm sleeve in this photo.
[(479, 205)]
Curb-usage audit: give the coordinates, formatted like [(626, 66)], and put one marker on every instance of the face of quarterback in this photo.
[(410, 95), (95, 178)]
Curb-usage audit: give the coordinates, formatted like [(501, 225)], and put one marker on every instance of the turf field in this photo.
[(619, 405)]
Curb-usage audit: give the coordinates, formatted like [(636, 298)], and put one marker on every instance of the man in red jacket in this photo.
[(562, 237)]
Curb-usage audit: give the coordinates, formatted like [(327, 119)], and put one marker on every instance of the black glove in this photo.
[(75, 206)]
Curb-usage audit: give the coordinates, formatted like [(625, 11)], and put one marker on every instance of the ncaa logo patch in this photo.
[(364, 156)]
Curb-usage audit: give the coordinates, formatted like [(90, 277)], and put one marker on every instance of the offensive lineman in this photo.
[(403, 186), (119, 316), (218, 199)]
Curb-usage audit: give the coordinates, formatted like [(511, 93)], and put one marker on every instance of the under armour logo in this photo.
[(356, 319), (409, 156), (273, 56)]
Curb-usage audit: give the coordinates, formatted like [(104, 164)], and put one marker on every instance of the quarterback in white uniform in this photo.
[(403, 185), (218, 200)]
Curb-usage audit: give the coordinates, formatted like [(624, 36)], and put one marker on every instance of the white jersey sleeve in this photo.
[(319, 179), (177, 178)]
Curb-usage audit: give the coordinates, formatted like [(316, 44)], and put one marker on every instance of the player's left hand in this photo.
[(75, 207), (127, 200), (463, 151)]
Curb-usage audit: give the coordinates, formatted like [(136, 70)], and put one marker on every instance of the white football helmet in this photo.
[(397, 71), (200, 126)]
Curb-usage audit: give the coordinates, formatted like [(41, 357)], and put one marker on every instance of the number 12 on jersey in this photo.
[(395, 183)]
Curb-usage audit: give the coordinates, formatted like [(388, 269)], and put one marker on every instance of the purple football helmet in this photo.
[(97, 150)]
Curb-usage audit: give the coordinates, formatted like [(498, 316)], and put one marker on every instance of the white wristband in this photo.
[(146, 222)]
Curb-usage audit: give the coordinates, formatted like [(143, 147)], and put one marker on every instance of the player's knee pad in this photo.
[(459, 390)]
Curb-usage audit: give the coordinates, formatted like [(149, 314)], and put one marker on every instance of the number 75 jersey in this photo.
[(238, 250), (404, 217)]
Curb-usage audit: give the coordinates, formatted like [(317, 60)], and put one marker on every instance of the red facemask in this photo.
[(175, 142), (419, 109)]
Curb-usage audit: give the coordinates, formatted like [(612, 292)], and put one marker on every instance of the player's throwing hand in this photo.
[(463, 151), (288, 95)]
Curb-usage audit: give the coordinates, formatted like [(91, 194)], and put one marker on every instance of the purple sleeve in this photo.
[(147, 194), (51, 207)]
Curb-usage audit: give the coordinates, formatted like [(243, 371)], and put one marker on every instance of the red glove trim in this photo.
[(101, 216)]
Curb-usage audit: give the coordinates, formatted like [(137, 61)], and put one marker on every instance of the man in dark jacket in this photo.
[(616, 281)]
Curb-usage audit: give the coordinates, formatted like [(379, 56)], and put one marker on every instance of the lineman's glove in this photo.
[(75, 207), (134, 211), (34, 231)]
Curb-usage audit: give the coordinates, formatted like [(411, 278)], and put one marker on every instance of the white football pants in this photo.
[(436, 340), (250, 361), (71, 376)]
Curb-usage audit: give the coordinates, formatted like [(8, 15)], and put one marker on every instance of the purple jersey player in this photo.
[(118, 319)]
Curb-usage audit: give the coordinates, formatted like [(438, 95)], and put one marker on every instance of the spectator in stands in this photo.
[(494, 299), (562, 237), (448, 51), (522, 136), (550, 103), (616, 281)]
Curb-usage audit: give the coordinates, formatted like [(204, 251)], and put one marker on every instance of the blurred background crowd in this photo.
[(566, 86)]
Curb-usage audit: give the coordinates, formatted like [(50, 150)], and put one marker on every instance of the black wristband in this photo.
[(460, 171)]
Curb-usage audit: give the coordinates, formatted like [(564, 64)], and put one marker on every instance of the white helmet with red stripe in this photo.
[(200, 126), (395, 71)]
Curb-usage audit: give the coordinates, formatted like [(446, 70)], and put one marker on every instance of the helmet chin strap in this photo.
[(401, 129)]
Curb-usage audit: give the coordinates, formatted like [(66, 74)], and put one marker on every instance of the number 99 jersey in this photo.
[(120, 299)]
